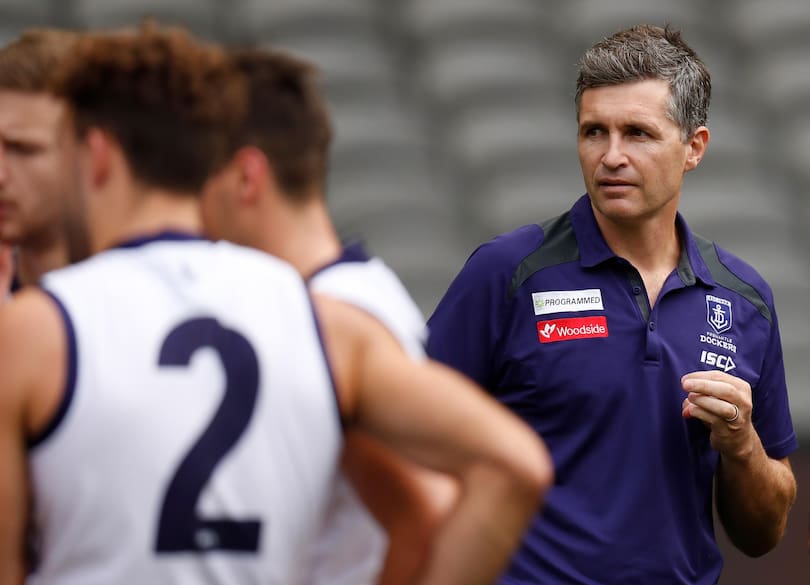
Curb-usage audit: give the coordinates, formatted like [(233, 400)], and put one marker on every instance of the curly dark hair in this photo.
[(171, 101)]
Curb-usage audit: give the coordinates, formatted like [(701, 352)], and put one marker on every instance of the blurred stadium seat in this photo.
[(258, 20), (433, 21), (454, 76), (353, 69), (758, 24), (18, 14), (200, 16)]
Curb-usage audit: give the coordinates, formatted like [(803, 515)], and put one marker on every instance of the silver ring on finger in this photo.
[(736, 414)]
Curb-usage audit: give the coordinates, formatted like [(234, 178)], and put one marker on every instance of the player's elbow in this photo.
[(759, 546), (539, 473), (530, 470)]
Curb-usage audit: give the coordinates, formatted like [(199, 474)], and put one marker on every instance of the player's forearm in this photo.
[(408, 501), (412, 529), (754, 497), (475, 543)]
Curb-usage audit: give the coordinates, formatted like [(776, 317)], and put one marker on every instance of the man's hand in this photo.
[(6, 271), (723, 403), (754, 492)]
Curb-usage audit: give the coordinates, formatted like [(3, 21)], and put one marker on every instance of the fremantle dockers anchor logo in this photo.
[(718, 313)]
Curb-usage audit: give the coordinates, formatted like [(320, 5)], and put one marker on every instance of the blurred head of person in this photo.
[(152, 115), (32, 162), (279, 153)]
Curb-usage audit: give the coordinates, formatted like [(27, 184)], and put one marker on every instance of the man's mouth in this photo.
[(614, 183)]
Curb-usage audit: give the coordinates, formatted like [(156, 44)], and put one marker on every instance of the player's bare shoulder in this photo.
[(33, 355)]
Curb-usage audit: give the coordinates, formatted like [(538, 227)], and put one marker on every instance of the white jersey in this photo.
[(199, 435), (351, 546)]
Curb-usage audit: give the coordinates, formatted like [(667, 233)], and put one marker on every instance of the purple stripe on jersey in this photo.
[(332, 380), (70, 377), (353, 252), (168, 236)]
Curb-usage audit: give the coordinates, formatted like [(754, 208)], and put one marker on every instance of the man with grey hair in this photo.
[(647, 357)]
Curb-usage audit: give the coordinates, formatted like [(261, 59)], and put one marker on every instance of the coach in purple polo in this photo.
[(647, 357)]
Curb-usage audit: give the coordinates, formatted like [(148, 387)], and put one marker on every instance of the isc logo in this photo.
[(721, 362)]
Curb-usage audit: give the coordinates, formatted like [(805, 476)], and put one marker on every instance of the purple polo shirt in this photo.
[(558, 328)]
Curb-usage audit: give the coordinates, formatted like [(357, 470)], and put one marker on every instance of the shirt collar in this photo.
[(167, 236), (352, 252), (593, 249)]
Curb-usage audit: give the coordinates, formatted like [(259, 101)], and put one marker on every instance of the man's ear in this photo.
[(254, 174), (100, 149), (697, 147)]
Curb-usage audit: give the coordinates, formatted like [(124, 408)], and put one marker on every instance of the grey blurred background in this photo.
[(455, 121)]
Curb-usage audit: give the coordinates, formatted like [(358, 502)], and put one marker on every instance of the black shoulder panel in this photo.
[(728, 279), (559, 246)]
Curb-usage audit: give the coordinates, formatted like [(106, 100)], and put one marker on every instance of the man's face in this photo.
[(32, 168), (631, 153)]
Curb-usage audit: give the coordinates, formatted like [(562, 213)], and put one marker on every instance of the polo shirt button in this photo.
[(652, 325), (636, 290)]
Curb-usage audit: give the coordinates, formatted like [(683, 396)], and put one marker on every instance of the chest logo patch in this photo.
[(567, 301), (717, 360), (718, 313), (573, 328)]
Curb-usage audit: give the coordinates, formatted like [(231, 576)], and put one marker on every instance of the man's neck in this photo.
[(153, 213), (651, 244), (653, 248), (304, 236)]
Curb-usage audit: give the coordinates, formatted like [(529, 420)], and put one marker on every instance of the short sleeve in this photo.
[(771, 410), (466, 328)]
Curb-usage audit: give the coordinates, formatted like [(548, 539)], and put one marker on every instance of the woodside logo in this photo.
[(574, 328)]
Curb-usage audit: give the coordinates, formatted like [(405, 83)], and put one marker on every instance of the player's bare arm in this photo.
[(439, 419), (31, 334), (408, 501), (754, 492)]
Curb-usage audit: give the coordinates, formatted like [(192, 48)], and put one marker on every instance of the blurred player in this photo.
[(271, 197), (32, 192), (185, 429)]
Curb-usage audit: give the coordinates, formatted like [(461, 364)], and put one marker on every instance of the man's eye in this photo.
[(18, 147)]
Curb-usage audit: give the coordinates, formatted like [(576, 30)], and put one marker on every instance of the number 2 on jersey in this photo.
[(180, 528)]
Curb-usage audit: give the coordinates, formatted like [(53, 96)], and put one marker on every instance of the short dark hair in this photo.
[(651, 52), (29, 62), (286, 118), (171, 101)]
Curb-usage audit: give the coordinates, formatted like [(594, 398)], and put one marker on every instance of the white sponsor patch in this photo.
[(567, 301)]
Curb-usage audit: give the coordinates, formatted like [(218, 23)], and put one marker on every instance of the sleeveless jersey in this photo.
[(199, 434), (351, 546)]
